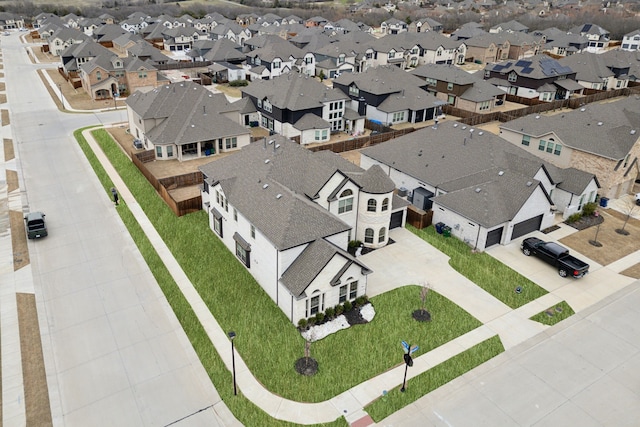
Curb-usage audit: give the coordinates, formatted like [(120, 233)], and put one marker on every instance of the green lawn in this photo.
[(482, 269), (267, 341), (435, 377), (554, 314)]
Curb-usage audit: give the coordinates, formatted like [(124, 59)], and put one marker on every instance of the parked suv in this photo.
[(35, 224)]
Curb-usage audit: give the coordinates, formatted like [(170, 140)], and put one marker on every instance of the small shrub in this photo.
[(319, 318), (589, 208), (339, 309), (329, 312), (237, 83), (311, 321), (347, 305), (573, 218), (302, 324), (354, 243), (361, 300)]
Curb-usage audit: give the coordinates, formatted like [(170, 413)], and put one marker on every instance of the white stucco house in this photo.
[(289, 214)]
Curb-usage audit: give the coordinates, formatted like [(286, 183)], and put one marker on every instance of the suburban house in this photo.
[(109, 76), (631, 41), (277, 58), (9, 21), (509, 27), (185, 121), (288, 215), (64, 37), (336, 58), (295, 105), (394, 26), (621, 60), (74, 56), (593, 71), (603, 139), (539, 76), (598, 36), (486, 189), (180, 39), (460, 89), (487, 48), (389, 96), (423, 25)]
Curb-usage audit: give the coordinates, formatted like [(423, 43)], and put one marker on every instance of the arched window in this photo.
[(385, 205), (371, 205), (345, 204), (368, 235), (382, 234)]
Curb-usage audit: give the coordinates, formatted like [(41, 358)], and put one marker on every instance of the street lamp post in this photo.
[(61, 97), (232, 335)]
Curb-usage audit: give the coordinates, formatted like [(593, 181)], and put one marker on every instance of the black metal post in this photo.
[(404, 381), (232, 335)]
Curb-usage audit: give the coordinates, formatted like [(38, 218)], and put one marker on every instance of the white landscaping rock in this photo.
[(316, 333)]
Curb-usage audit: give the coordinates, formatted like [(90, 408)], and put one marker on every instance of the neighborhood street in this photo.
[(114, 351)]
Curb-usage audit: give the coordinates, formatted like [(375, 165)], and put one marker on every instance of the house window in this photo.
[(487, 74), (341, 59), (243, 255), (439, 52), (557, 150), (542, 145), (235, 214), (372, 205), (385, 205), (345, 204), (159, 152), (217, 226), (276, 65), (550, 147), (392, 54), (353, 290), (253, 232), (484, 105), (526, 139), (398, 116), (315, 304), (368, 235), (169, 150), (98, 75), (343, 294), (231, 142), (267, 106), (325, 134), (449, 86), (259, 103), (354, 91), (382, 234), (431, 81), (513, 77), (142, 74)]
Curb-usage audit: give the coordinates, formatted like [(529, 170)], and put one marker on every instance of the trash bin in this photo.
[(439, 227), (604, 201), (446, 231)]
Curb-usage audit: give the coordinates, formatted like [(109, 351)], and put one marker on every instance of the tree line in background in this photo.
[(617, 21)]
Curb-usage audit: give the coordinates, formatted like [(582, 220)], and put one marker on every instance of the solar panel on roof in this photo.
[(526, 70), (523, 63), (498, 67), (586, 28)]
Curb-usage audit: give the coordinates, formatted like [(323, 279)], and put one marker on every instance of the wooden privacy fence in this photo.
[(163, 185), (361, 142), (418, 218)]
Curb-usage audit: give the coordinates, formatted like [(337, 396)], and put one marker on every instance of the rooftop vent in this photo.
[(278, 196), (500, 173), (480, 133), (583, 109), (529, 183), (599, 123), (265, 186), (477, 190), (266, 161), (271, 141), (464, 127), (537, 117), (455, 125), (633, 132)]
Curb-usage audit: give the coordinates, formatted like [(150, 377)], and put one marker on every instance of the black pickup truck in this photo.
[(556, 255)]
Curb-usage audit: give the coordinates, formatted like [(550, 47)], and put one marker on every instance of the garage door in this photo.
[(494, 237), (526, 227), (396, 220)]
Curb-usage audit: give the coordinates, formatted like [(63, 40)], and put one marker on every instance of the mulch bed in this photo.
[(354, 317), (586, 222), (306, 366), (421, 315)]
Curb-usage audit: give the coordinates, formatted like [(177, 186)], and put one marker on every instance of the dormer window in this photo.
[(345, 202), (354, 91), (341, 59), (392, 54), (512, 76)]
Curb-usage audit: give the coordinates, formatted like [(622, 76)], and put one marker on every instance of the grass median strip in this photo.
[(485, 271), (554, 314), (435, 377), (246, 412)]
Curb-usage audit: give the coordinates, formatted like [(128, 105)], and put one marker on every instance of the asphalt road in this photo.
[(115, 354)]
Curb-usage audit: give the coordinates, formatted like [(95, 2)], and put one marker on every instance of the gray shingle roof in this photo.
[(311, 262), (601, 129)]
